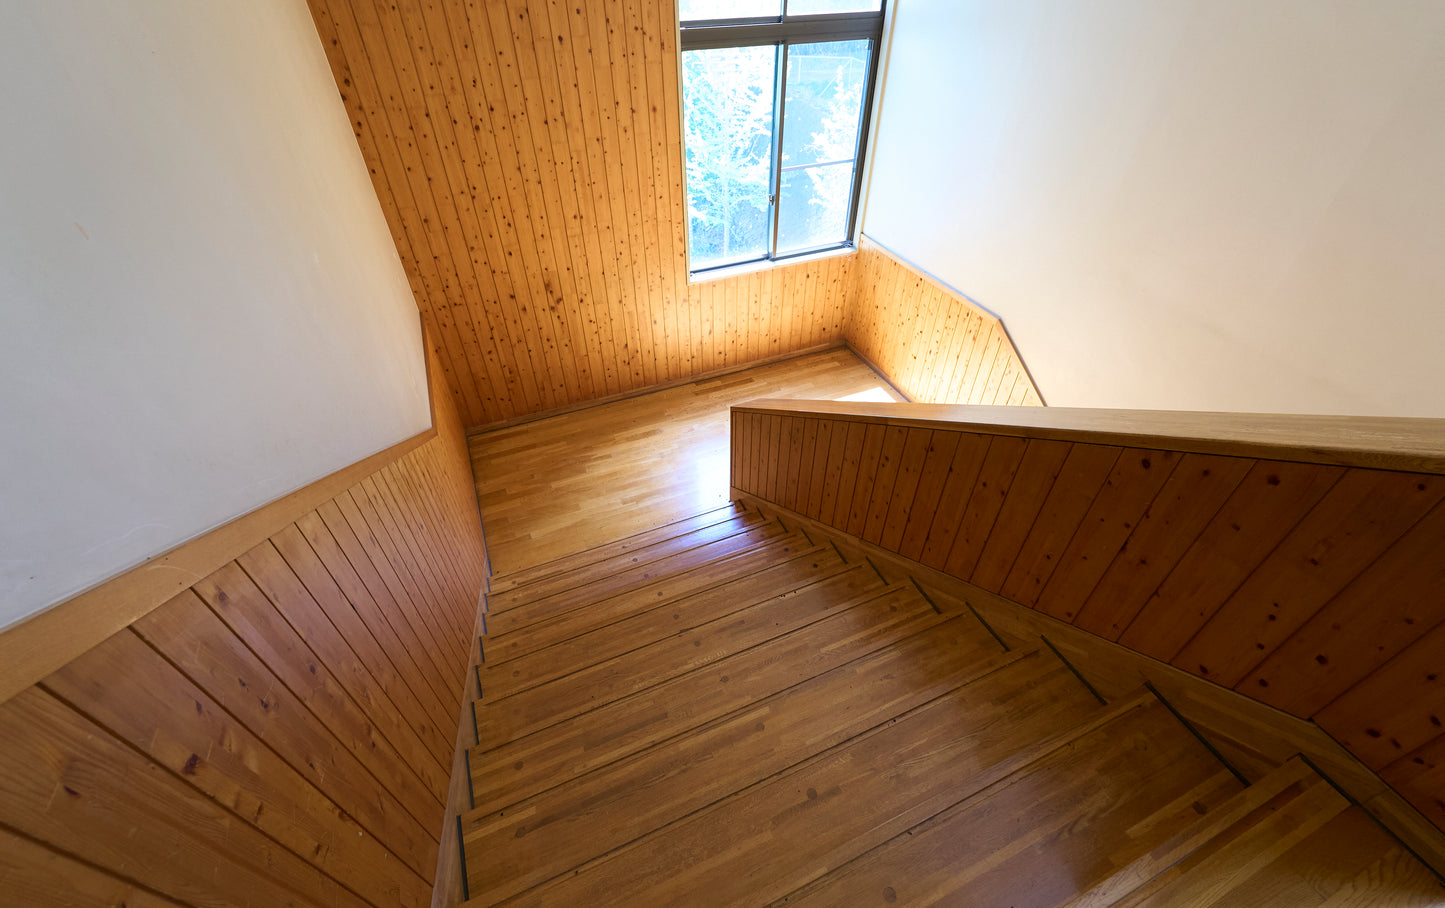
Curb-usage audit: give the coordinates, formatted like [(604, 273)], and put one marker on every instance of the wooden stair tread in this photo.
[(534, 655), (851, 794), (1098, 800), (639, 577), (513, 579), (541, 837), (851, 630), (583, 575), (1302, 843)]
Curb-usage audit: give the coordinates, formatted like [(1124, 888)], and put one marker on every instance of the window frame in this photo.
[(781, 32)]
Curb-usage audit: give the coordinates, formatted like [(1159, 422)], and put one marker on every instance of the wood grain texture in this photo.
[(527, 156), (1316, 588), (935, 345), (281, 731), (580, 479)]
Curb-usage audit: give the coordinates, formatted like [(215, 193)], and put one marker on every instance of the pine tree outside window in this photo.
[(776, 102)]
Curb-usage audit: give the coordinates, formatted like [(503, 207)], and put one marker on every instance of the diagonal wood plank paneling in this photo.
[(527, 155)]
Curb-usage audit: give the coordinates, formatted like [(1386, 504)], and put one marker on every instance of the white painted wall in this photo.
[(1182, 204), (201, 307)]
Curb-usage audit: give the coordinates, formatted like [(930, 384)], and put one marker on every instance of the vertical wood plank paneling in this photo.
[(932, 343), (280, 733), (527, 155), (1316, 588)]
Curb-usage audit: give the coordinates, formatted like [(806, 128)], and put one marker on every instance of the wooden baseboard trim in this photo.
[(1232, 722), (878, 371), (663, 386)]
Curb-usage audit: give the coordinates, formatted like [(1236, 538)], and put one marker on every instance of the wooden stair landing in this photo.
[(724, 711)]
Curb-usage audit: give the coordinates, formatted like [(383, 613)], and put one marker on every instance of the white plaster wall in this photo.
[(201, 308), (1181, 204)]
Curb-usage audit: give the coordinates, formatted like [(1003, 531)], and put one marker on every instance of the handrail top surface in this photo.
[(1413, 444)]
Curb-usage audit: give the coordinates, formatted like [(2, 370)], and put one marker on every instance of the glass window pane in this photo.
[(808, 7), (821, 119), (813, 209), (728, 127), (702, 10)]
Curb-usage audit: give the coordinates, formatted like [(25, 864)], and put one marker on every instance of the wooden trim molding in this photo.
[(50, 639), (1383, 443)]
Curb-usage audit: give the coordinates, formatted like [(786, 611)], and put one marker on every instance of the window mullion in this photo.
[(780, 98)]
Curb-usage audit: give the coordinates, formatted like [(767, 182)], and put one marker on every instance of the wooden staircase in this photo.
[(724, 711)]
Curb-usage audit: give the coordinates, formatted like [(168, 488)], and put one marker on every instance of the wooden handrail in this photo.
[(1414, 445)]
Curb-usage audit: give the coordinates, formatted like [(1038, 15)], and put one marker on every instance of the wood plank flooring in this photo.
[(570, 482), (729, 711)]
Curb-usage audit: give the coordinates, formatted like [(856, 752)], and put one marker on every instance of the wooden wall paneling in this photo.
[(235, 598), (1273, 498), (929, 494), (380, 97), (317, 559), (942, 532), (1420, 778), (1397, 709), (372, 534), (1194, 493), (1393, 603), (985, 501), (593, 223), (358, 94), (1125, 498), (66, 781), (885, 484), (797, 430), (916, 451), (375, 502), (432, 127), (803, 470), (385, 704), (374, 573), (1362, 516), (867, 476), (1038, 471), (1319, 587), (852, 450), (190, 636), (40, 877), (127, 688), (450, 108), (510, 30), (818, 468), (1079, 482)]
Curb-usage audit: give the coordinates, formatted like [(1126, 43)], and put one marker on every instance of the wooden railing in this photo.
[(1298, 560)]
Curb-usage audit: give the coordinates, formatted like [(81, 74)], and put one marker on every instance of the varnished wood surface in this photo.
[(528, 159), (781, 725), (281, 732), (577, 480), (1394, 443), (1315, 588), (936, 345)]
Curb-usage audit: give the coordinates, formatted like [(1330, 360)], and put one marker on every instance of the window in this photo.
[(776, 101)]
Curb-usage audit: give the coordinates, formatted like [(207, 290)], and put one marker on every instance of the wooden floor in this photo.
[(570, 482), (727, 711)]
